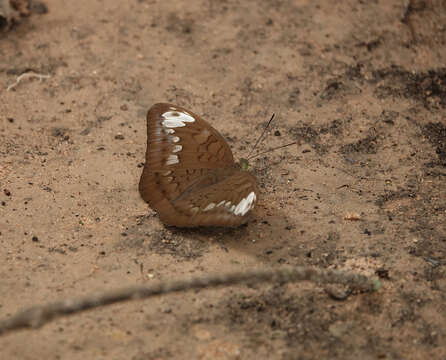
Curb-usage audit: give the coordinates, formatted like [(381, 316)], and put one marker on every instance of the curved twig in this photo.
[(37, 316), (27, 75)]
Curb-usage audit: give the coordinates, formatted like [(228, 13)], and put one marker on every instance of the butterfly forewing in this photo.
[(190, 176), (179, 138)]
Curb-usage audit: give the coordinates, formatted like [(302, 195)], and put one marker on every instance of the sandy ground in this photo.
[(361, 87)]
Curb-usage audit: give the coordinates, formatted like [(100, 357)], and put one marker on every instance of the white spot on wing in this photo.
[(177, 148), (169, 131), (172, 159), (173, 123), (195, 210), (245, 204), (221, 203), (174, 119), (209, 207)]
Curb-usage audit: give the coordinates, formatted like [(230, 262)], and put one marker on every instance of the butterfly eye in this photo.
[(244, 164)]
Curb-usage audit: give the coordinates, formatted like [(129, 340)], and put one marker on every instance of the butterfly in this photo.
[(190, 177)]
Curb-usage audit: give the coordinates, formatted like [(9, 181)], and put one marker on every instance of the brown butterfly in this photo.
[(190, 177)]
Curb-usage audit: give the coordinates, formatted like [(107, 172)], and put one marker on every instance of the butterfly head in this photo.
[(244, 164)]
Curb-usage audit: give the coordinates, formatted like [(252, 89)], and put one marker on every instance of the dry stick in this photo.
[(37, 316), (27, 75)]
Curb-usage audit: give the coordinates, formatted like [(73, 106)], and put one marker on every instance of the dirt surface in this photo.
[(360, 85)]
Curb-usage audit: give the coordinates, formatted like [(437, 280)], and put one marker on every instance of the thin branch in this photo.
[(27, 75), (37, 316)]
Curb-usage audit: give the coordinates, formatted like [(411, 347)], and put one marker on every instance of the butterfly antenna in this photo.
[(270, 150), (261, 136)]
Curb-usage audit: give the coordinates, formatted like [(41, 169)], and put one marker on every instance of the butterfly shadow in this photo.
[(147, 236), (261, 233), (222, 236)]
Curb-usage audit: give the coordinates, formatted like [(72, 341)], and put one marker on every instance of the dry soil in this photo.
[(360, 85)]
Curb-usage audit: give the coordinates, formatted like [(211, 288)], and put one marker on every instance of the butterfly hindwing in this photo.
[(225, 203)]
